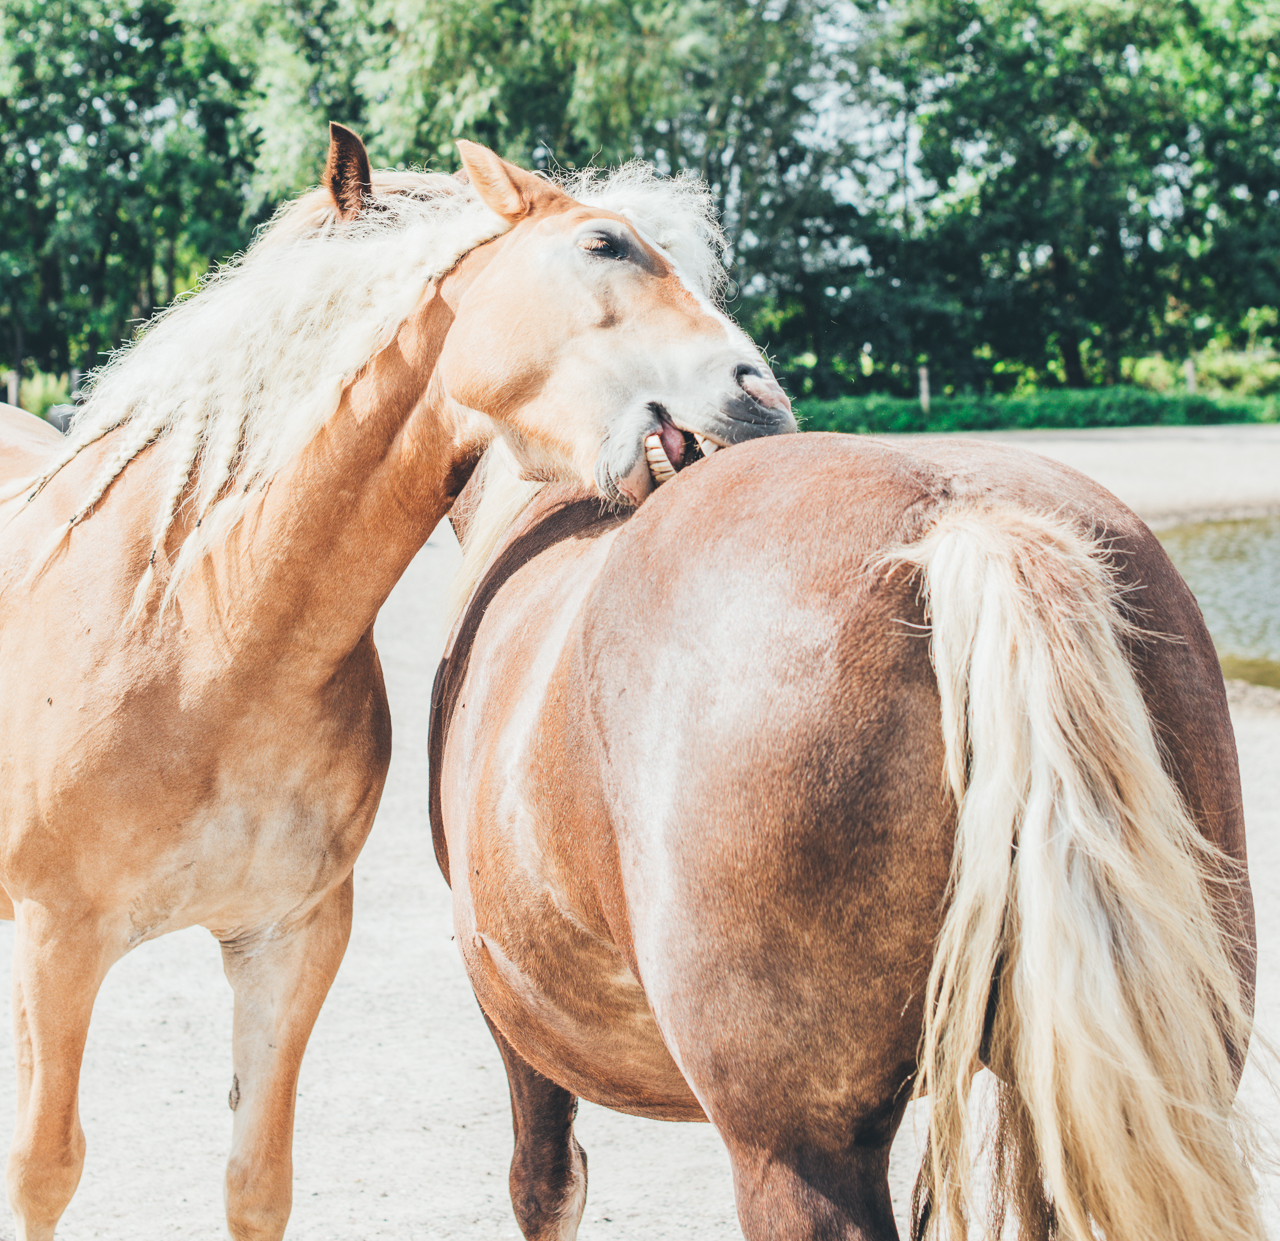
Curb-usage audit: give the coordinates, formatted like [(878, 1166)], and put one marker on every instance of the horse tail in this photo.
[(1079, 956)]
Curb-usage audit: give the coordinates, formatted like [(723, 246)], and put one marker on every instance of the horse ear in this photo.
[(346, 174), (506, 189)]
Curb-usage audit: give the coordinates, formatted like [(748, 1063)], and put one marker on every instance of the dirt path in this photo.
[(403, 1128)]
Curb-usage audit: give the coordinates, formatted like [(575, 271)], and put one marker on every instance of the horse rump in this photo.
[(1085, 954)]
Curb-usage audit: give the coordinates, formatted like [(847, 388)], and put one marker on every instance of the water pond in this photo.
[(1233, 568)]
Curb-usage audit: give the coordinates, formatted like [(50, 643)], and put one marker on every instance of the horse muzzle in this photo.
[(754, 406)]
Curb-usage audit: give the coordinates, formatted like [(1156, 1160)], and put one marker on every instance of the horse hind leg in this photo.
[(548, 1168), (280, 981), (58, 967), (804, 1193)]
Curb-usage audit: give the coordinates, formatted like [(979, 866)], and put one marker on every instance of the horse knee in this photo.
[(549, 1198), (259, 1200), (44, 1170)]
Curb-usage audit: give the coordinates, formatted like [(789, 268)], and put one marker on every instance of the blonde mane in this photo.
[(676, 215), (236, 378)]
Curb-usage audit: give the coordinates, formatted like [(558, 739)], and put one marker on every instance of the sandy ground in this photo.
[(403, 1127)]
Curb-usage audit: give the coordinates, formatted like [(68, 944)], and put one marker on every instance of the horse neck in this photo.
[(335, 531)]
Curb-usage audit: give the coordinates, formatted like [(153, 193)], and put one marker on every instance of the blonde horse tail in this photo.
[(1079, 956)]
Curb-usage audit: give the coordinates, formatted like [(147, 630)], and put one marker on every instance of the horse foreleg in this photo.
[(548, 1167), (58, 966), (280, 979)]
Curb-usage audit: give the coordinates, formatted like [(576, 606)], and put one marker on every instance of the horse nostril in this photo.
[(759, 384)]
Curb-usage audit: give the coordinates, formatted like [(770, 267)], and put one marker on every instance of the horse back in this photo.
[(782, 532), (26, 443)]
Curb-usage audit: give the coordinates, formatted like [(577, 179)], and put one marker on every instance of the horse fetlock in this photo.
[(259, 1198), (42, 1179), (549, 1200), (28, 1230), (255, 1227)]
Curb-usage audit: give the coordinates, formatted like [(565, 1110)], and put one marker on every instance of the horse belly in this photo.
[(528, 850), (567, 1001)]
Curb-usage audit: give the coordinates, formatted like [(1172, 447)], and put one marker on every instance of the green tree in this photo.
[(1085, 176), (1011, 191), (120, 171), (1231, 190), (728, 88)]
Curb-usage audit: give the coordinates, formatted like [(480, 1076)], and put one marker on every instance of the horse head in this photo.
[(580, 336)]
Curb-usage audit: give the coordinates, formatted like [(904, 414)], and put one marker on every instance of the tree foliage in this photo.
[(1051, 187), (121, 169), (1015, 192)]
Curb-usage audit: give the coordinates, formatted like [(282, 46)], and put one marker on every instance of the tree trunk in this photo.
[(169, 264), (19, 348), (1069, 343), (1069, 337)]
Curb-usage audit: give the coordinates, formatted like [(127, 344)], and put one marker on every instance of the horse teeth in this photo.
[(660, 466), (708, 446)]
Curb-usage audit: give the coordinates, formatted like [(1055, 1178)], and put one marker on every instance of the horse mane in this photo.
[(238, 376), (678, 216)]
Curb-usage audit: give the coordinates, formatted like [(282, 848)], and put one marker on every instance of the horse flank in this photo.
[(237, 377)]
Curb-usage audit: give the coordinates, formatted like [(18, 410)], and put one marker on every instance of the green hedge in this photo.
[(1091, 407)]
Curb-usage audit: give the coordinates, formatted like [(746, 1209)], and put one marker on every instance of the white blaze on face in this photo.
[(734, 335), (660, 459)]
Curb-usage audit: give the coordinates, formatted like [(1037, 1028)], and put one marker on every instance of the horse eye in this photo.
[(603, 246)]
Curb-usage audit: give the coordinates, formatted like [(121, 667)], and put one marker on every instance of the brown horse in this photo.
[(194, 726), (839, 767)]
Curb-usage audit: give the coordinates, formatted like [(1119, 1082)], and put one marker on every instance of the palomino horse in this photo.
[(837, 767), (194, 725)]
